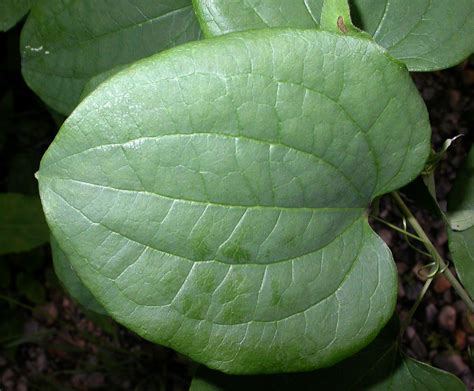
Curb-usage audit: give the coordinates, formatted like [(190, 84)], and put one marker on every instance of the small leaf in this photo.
[(12, 11), (221, 208), (22, 223), (461, 198), (461, 217), (71, 282), (426, 35), (65, 43), (379, 367), (461, 245)]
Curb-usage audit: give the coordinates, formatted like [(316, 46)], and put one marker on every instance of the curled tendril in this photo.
[(405, 231)]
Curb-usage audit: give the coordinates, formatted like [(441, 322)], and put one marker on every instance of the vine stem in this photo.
[(433, 251), (415, 306)]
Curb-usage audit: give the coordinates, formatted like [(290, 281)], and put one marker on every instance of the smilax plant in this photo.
[(214, 197)]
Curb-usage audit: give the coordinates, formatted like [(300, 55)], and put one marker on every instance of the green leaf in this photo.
[(32, 289), (5, 275), (65, 43), (95, 81), (380, 366), (461, 217), (71, 282), (461, 245), (426, 35), (219, 17), (461, 198), (336, 17), (12, 11), (22, 224), (221, 209)]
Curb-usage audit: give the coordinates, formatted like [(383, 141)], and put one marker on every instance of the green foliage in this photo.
[(71, 282), (258, 224), (461, 217), (11, 12), (65, 43), (214, 198), (22, 223), (379, 367), (424, 34), (32, 289)]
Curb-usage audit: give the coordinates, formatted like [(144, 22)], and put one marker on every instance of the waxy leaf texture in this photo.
[(425, 35), (379, 367), (70, 281), (214, 198)]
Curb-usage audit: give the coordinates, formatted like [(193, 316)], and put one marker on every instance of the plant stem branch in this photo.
[(433, 251), (413, 309)]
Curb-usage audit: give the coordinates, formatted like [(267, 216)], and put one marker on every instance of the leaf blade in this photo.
[(12, 11), (22, 223), (66, 43), (260, 202)]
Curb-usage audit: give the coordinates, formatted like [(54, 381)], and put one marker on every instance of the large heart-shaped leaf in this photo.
[(71, 282), (461, 218), (22, 224), (379, 367), (424, 34), (11, 12), (65, 42), (214, 197)]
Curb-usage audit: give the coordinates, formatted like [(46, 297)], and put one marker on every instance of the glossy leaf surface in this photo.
[(424, 34), (461, 217), (65, 43), (11, 12), (22, 223), (71, 282), (219, 17), (214, 197), (379, 367)]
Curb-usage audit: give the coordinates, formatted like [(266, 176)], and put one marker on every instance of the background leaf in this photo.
[(11, 12), (461, 198), (461, 218), (380, 366), (22, 224), (426, 35), (71, 282), (32, 289), (219, 17), (217, 209), (65, 43)]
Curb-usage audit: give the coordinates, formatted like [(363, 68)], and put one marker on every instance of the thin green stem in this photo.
[(16, 302), (394, 227), (433, 251), (415, 306)]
